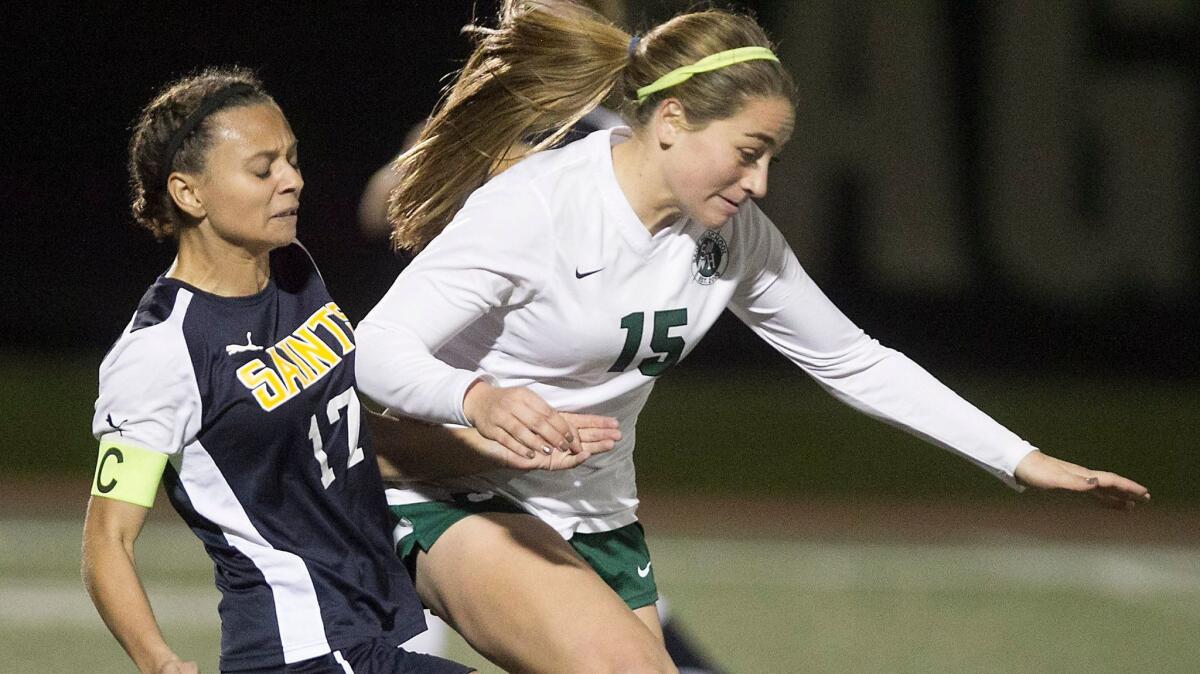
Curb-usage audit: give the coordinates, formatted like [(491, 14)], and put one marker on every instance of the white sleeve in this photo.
[(782, 304), (148, 393), (495, 253)]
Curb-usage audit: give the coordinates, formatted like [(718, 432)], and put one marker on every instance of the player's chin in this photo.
[(716, 212), (281, 231), (711, 218)]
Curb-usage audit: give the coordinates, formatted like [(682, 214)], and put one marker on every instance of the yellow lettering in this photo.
[(288, 372), (299, 359), (337, 311), (313, 350), (262, 381), (322, 318), (287, 346)]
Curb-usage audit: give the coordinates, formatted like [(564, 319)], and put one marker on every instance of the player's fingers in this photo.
[(544, 420), (515, 455), (587, 435), (1123, 487), (564, 428), (566, 460), (557, 428), (590, 421), (1114, 502), (532, 439), (596, 434), (1074, 482), (597, 446), (513, 442), (551, 436), (527, 413)]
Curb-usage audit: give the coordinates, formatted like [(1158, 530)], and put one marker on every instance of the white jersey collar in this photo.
[(616, 206)]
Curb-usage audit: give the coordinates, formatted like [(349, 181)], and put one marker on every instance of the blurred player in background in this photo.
[(233, 384)]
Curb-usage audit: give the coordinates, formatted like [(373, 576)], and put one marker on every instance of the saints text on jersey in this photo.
[(298, 360)]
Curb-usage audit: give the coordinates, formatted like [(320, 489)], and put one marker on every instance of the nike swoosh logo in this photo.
[(644, 572), (587, 273)]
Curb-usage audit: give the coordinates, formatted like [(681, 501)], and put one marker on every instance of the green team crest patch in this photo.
[(710, 259)]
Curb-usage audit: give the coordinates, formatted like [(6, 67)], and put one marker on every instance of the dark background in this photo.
[(353, 78), (1005, 191)]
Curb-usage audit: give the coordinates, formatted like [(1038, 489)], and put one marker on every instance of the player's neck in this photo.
[(216, 266), (643, 186)]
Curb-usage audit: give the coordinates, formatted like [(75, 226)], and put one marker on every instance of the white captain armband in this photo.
[(126, 472)]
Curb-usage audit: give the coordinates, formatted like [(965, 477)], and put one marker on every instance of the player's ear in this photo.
[(184, 191), (670, 121)]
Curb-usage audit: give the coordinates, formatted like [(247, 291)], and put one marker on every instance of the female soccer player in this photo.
[(234, 384), (574, 279)]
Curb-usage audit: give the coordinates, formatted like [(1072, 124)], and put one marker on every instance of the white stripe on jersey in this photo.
[(148, 391), (301, 629), (337, 655)]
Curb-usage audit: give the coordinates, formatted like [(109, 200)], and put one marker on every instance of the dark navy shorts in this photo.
[(372, 657)]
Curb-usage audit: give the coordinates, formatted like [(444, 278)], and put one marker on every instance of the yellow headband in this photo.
[(717, 61)]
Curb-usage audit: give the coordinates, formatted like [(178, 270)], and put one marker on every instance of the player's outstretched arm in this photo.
[(414, 450), (111, 578), (1046, 472)]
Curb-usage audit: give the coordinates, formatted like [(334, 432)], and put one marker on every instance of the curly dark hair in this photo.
[(151, 204)]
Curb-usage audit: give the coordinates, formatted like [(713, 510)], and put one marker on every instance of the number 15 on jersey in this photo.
[(661, 341)]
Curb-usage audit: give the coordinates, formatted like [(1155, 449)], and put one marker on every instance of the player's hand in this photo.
[(1046, 472), (177, 666), (519, 420), (597, 435)]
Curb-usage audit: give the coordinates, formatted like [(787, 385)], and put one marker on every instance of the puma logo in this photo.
[(234, 349), (116, 426)]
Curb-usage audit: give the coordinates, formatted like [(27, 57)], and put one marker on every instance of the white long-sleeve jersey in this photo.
[(547, 279)]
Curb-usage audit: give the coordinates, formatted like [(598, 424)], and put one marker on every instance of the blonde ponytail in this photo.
[(533, 76), (544, 67)]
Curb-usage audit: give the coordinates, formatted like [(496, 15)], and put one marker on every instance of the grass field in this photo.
[(790, 593), (759, 605)]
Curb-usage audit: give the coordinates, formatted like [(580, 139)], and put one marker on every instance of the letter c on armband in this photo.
[(111, 452)]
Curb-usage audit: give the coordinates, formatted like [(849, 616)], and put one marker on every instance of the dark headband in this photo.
[(206, 108)]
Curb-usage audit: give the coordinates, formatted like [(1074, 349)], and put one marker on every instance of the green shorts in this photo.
[(619, 556)]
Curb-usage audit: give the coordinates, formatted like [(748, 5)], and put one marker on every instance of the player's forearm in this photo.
[(396, 368), (896, 390), (413, 450), (112, 581)]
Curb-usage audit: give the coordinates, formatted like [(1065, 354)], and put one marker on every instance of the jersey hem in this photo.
[(399, 635)]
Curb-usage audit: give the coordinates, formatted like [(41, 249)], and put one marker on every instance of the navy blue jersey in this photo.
[(270, 464)]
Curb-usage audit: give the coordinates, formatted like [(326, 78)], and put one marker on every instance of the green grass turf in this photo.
[(757, 432), (1009, 606)]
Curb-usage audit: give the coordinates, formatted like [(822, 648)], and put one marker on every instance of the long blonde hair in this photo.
[(540, 70)]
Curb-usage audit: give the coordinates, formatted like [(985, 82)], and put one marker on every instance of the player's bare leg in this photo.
[(649, 617), (521, 596)]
